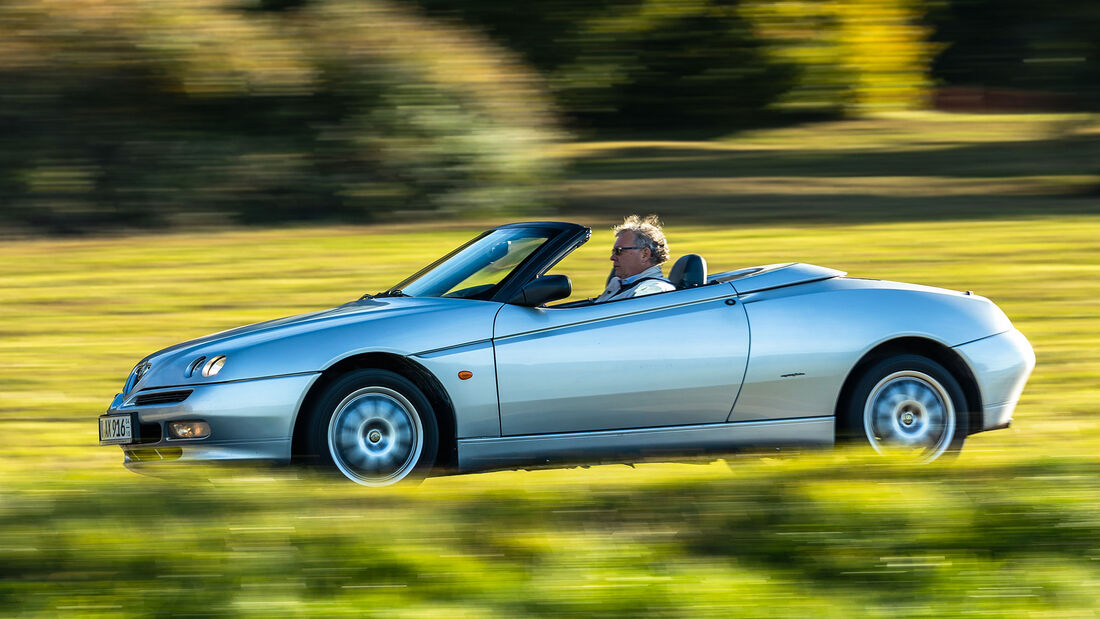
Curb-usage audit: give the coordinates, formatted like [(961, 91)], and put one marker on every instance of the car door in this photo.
[(670, 359)]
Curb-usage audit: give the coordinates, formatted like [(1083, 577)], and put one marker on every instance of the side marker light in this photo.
[(465, 375)]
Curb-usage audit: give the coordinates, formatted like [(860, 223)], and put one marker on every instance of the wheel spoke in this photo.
[(927, 398), (936, 412)]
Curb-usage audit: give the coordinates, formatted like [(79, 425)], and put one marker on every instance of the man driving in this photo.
[(639, 249)]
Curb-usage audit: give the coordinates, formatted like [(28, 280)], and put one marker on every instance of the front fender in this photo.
[(319, 341)]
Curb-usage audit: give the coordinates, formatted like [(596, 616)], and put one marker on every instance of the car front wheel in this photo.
[(375, 427), (908, 406)]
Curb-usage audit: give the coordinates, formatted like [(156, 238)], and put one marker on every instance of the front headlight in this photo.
[(136, 374), (213, 366), (206, 366)]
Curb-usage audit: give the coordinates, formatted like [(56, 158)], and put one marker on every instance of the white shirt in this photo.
[(615, 292)]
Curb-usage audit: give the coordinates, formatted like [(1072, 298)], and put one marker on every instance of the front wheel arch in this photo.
[(424, 380), (375, 427)]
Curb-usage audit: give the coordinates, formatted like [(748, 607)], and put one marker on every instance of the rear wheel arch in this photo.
[(945, 356), (442, 408)]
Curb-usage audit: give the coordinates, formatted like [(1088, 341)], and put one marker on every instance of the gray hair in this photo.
[(648, 232)]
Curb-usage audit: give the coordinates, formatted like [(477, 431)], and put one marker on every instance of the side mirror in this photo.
[(543, 290), (500, 250)]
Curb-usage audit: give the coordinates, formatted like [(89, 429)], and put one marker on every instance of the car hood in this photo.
[(311, 342), (366, 309)]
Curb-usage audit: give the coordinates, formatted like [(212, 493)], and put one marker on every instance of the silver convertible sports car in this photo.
[(464, 366)]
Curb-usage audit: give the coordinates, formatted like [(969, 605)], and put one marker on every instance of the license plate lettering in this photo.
[(115, 429)]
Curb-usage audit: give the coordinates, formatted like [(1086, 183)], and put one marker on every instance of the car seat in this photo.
[(689, 271)]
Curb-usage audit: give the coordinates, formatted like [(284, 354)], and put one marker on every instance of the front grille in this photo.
[(162, 397)]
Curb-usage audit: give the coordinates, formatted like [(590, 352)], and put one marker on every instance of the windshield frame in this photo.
[(562, 238)]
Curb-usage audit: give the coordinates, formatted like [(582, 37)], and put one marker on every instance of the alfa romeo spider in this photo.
[(474, 363)]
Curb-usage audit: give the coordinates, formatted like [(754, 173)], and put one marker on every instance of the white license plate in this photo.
[(116, 429)]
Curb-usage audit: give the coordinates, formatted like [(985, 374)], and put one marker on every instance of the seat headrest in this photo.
[(689, 271)]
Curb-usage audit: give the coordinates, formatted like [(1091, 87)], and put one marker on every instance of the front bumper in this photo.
[(1001, 365), (249, 420)]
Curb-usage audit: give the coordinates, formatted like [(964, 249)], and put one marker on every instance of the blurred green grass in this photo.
[(1011, 528)]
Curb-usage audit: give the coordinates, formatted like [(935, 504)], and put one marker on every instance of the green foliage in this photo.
[(1017, 45), (639, 63), (851, 55), (665, 63), (146, 112), (715, 64), (823, 536)]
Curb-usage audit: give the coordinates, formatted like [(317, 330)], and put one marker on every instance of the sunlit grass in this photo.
[(1012, 527), (820, 534)]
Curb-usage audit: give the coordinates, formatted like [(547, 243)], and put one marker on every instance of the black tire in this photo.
[(908, 406), (374, 427)]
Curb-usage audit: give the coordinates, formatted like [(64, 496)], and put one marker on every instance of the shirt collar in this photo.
[(653, 271)]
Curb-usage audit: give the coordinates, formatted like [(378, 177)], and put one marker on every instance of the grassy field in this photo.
[(1006, 206)]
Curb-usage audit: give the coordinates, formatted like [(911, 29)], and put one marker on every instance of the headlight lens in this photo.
[(195, 366), (213, 366), (139, 372)]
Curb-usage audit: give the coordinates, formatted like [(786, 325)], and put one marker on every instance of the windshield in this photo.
[(475, 269)]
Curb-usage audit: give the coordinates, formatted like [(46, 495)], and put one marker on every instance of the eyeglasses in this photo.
[(618, 251)]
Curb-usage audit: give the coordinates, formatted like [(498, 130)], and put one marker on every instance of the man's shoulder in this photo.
[(653, 285)]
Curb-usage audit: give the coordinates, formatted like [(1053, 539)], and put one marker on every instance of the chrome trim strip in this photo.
[(783, 285), (446, 350), (985, 337), (511, 451)]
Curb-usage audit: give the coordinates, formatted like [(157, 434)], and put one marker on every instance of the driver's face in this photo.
[(631, 261)]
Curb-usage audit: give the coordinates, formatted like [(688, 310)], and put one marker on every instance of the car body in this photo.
[(464, 366)]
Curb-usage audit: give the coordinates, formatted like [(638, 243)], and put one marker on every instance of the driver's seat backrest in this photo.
[(689, 271)]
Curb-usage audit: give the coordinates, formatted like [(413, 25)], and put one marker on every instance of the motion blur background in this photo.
[(171, 168), (161, 114)]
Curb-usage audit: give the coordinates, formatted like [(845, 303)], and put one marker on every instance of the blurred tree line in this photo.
[(1050, 47), (712, 64), (167, 112)]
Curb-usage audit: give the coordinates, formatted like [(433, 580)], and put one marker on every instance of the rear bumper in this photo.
[(249, 420), (1001, 364)]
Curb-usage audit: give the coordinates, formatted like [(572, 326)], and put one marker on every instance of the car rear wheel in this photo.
[(375, 427), (910, 407)]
